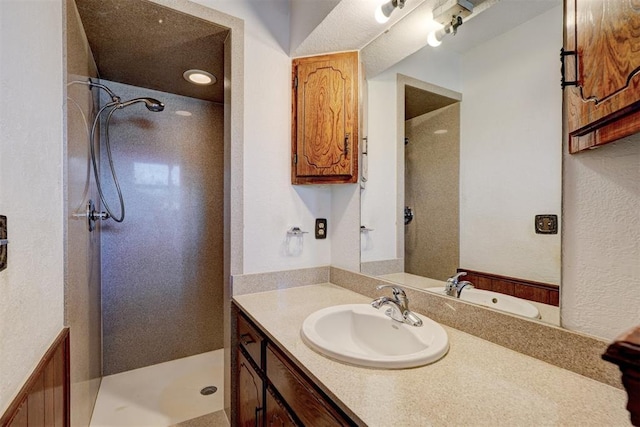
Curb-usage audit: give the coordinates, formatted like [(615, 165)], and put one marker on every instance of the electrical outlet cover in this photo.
[(546, 224), (321, 228)]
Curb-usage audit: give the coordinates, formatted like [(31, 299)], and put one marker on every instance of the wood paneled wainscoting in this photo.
[(44, 399), (526, 289)]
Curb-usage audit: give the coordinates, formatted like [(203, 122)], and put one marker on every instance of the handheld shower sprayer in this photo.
[(115, 104)]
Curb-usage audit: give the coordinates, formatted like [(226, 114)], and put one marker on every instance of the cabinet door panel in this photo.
[(249, 393), (606, 36), (325, 119), (322, 132)]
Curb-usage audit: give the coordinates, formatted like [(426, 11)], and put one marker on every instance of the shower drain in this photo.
[(210, 389)]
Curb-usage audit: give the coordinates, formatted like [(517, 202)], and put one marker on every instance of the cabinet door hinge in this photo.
[(295, 82), (295, 159)]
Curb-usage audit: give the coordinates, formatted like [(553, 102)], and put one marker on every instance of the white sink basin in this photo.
[(361, 335), (496, 301)]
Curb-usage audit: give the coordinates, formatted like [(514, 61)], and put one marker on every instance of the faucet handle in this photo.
[(397, 291), (454, 279)]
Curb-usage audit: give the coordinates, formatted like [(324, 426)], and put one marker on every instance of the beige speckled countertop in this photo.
[(476, 383)]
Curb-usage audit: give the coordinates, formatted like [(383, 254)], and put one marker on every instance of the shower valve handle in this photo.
[(99, 216)]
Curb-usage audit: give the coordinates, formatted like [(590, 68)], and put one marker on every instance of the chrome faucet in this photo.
[(398, 306), (454, 285)]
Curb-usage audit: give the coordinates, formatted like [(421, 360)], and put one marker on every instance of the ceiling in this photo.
[(140, 43), (418, 102)]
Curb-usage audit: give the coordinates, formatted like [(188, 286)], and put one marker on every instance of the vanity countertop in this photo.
[(476, 383)]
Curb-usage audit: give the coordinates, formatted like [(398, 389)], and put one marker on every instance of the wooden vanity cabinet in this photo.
[(325, 121), (601, 63), (270, 389)]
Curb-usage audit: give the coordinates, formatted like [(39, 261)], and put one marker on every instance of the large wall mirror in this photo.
[(464, 152)]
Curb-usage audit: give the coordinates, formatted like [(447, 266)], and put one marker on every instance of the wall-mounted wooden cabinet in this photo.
[(270, 389), (325, 119), (602, 71)]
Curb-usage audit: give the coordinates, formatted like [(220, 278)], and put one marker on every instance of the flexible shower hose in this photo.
[(114, 106)]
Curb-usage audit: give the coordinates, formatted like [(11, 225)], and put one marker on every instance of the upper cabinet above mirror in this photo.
[(601, 65)]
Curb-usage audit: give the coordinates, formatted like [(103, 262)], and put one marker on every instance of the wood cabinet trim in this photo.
[(545, 293)]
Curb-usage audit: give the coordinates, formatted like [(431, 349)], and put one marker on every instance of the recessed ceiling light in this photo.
[(199, 77)]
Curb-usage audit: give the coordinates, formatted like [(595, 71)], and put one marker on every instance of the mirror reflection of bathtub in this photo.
[(494, 300)]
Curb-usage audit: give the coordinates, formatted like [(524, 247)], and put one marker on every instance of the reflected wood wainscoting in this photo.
[(525, 289), (44, 399)]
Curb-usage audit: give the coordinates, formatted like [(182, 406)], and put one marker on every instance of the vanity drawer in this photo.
[(250, 339), (304, 400)]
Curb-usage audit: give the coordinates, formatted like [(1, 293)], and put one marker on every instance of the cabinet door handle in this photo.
[(257, 417), (563, 54), (346, 144), (246, 339)]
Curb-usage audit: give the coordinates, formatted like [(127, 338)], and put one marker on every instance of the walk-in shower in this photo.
[(115, 104)]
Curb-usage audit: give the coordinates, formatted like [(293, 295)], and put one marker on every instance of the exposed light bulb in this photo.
[(435, 37), (384, 11), (433, 40), (380, 16)]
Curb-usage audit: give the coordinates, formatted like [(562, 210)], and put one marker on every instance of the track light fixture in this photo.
[(384, 11), (450, 15)]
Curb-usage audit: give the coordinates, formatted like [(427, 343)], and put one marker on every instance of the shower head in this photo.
[(150, 103)]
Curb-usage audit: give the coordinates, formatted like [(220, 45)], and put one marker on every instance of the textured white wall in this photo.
[(271, 204), (510, 151), (601, 239), (31, 159)]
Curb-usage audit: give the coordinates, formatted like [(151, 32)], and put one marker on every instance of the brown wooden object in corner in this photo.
[(601, 41), (44, 398), (324, 140), (625, 352)]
